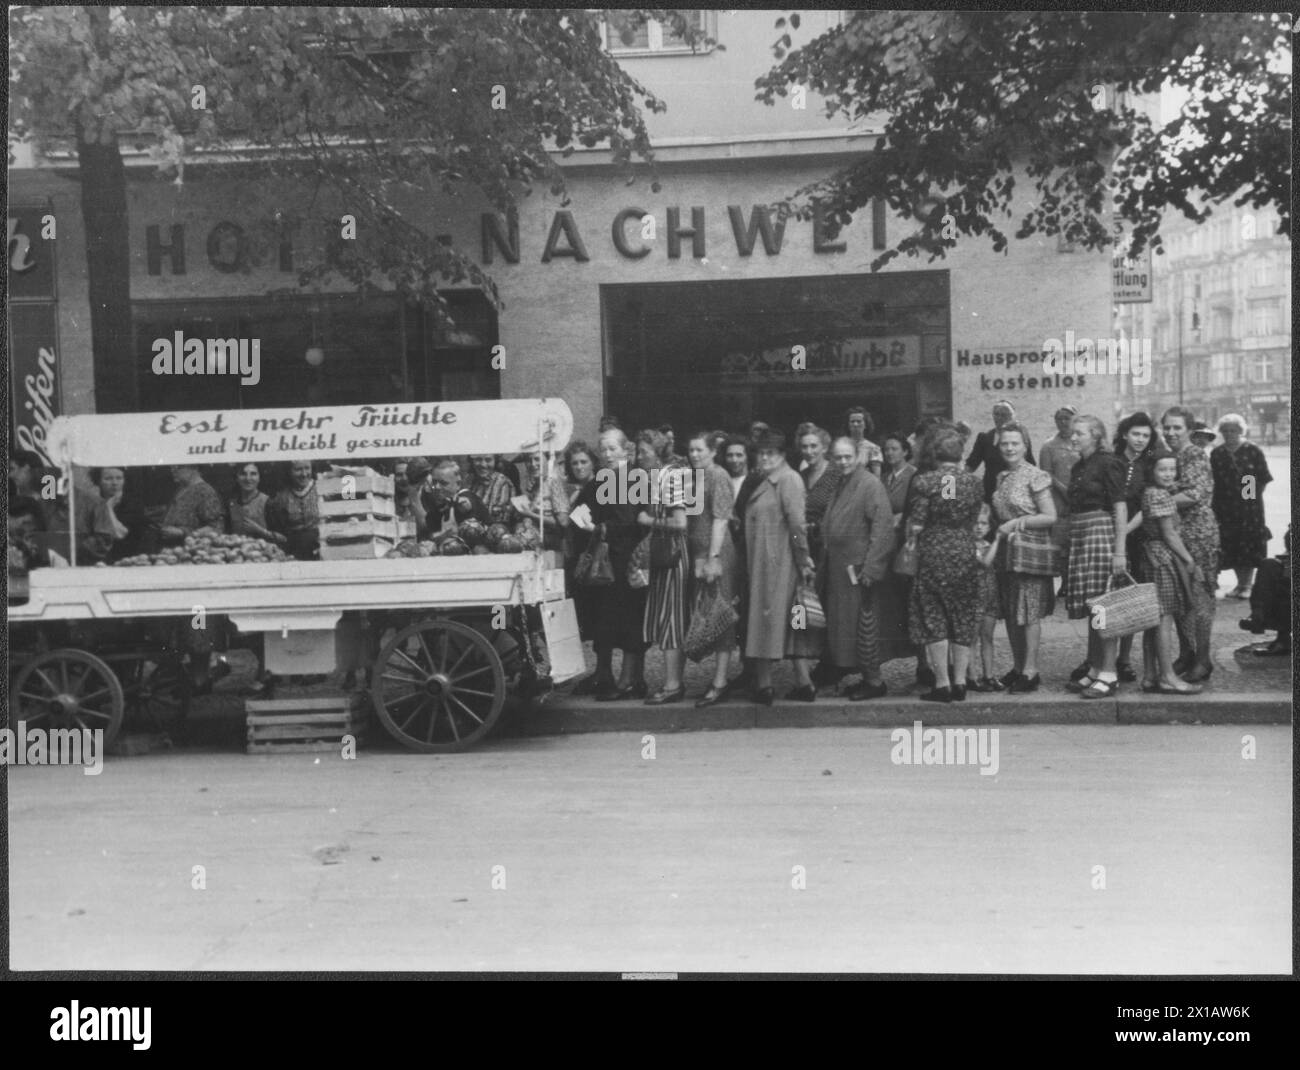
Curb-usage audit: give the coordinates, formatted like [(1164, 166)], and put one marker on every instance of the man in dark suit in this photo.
[(986, 452)]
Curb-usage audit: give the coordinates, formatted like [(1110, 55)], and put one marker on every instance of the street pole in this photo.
[(1180, 340)]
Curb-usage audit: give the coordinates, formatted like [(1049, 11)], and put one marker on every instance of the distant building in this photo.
[(1219, 321)]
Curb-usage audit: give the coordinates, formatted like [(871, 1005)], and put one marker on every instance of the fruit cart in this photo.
[(456, 635)]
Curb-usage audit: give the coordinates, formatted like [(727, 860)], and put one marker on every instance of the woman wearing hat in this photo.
[(776, 549), (1240, 476)]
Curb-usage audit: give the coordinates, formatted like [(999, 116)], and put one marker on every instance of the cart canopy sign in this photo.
[(338, 434)]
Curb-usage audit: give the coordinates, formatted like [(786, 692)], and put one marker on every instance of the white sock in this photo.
[(1107, 677)]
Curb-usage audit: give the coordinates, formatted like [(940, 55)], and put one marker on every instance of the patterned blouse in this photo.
[(290, 511), (1014, 497), (196, 506), (1156, 504), (249, 518), (495, 493)]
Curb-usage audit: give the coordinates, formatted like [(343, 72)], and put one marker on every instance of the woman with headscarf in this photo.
[(1240, 476), (776, 549)]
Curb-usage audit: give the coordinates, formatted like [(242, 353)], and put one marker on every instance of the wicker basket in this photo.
[(1125, 610)]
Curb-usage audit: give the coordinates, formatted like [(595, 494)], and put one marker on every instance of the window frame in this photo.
[(655, 45)]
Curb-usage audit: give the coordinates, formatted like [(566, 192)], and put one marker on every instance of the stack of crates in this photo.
[(358, 514)]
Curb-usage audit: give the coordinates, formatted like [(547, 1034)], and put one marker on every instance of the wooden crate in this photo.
[(363, 505), (360, 481), (369, 537), (310, 724)]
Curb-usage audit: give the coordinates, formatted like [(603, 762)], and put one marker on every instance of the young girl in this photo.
[(1167, 563), (990, 608)]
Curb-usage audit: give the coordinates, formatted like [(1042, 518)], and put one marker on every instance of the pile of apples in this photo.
[(211, 548), (473, 537)]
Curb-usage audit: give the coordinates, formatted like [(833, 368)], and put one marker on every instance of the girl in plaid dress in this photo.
[(1168, 564)]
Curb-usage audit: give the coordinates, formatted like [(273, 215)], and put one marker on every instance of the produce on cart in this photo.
[(457, 631)]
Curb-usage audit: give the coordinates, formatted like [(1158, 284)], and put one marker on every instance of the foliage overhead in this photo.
[(360, 107), (966, 99)]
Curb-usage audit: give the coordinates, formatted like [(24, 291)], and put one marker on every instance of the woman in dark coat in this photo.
[(820, 478), (713, 555), (620, 607), (777, 554), (857, 534), (945, 604), (1240, 476), (580, 465)]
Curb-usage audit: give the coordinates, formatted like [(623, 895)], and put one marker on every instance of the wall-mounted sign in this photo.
[(1131, 278), (34, 386), (31, 253), (842, 360)]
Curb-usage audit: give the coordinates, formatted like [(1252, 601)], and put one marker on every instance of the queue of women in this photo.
[(835, 553), (854, 555)]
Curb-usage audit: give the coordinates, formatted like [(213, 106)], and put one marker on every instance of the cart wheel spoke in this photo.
[(94, 695), (471, 691), (471, 674), (424, 673), (462, 705), (398, 678), (415, 712), (451, 718)]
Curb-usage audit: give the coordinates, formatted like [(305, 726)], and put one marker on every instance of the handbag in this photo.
[(814, 614), (1118, 612), (638, 565), (665, 549), (905, 561), (594, 568), (712, 619), (1032, 553)]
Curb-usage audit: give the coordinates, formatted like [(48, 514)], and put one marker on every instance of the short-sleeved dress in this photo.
[(1243, 538), (719, 501), (945, 603), (990, 588), (1158, 564), (1025, 599)]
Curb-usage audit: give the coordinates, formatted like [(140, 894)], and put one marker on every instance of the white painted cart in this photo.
[(453, 632)]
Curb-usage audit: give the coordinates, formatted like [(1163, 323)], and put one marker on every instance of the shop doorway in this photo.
[(722, 354)]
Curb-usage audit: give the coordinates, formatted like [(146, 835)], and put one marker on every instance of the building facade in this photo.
[(1219, 322), (692, 305)]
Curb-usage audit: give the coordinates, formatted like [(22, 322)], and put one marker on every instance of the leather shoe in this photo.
[(958, 693), (1125, 673), (938, 694), (865, 690), (764, 696), (1078, 674), (622, 694), (1276, 649), (1023, 685), (662, 698), (1250, 624), (711, 697), (1007, 679), (593, 685), (802, 694)]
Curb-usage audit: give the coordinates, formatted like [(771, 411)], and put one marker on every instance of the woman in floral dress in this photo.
[(1194, 494), (945, 602)]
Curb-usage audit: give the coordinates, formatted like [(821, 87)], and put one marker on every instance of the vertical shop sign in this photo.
[(33, 327)]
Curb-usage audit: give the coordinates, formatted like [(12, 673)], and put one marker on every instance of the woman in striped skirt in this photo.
[(1098, 521), (665, 608)]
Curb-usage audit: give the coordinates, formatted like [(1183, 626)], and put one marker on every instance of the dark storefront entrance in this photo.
[(721, 354)]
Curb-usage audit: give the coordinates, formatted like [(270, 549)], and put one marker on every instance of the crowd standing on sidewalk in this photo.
[(835, 553)]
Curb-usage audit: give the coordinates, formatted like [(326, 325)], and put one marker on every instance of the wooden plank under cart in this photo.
[(303, 725)]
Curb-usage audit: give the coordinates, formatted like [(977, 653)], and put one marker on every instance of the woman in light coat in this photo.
[(776, 548)]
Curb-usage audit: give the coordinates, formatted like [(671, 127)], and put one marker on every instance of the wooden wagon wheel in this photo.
[(68, 689), (439, 686)]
